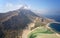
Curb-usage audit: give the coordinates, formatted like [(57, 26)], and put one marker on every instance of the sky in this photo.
[(9, 5)]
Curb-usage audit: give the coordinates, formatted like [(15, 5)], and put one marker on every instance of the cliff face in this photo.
[(13, 23)]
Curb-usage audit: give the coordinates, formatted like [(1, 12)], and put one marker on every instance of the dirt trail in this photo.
[(27, 31)]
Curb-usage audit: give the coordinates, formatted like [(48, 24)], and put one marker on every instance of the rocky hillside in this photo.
[(14, 22)]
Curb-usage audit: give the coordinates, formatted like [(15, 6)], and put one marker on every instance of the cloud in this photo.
[(9, 7)]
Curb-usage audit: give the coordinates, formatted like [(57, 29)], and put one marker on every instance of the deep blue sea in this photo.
[(55, 16), (55, 27)]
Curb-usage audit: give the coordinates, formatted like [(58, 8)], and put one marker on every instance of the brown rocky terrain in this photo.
[(15, 24)]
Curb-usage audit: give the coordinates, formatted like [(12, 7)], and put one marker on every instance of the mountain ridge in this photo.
[(15, 22)]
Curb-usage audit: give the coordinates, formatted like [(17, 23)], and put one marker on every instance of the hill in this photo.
[(13, 23)]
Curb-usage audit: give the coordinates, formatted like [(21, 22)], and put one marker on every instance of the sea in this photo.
[(54, 16), (55, 27)]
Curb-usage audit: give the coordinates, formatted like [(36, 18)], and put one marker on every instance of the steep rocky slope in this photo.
[(13, 23)]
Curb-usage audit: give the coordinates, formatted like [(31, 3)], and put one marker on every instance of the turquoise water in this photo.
[(55, 27)]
